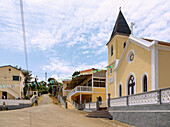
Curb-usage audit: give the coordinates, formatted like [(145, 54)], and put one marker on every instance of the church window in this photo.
[(124, 45), (111, 50), (130, 56)]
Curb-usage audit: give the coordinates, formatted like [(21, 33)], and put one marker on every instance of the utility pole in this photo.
[(46, 76)]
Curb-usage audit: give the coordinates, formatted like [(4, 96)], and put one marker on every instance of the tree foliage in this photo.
[(75, 73)]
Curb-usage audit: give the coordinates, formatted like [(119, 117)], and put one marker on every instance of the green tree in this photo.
[(76, 73)]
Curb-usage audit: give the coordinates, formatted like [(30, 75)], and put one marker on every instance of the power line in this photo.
[(25, 45), (23, 31)]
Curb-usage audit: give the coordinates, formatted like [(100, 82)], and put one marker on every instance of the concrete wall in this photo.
[(143, 119)]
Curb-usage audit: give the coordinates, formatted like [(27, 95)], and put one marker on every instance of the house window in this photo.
[(110, 70), (120, 90), (111, 50), (124, 45), (145, 83), (99, 82), (15, 78), (67, 84)]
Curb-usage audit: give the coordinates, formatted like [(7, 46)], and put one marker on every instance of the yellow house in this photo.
[(141, 64), (11, 82), (87, 87), (66, 82)]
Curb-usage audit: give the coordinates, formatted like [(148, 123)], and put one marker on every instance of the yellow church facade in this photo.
[(141, 65)]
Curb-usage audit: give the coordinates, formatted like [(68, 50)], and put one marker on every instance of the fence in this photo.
[(160, 96), (62, 101), (77, 106), (91, 105), (102, 104)]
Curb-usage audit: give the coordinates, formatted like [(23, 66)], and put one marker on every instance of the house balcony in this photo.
[(80, 89)]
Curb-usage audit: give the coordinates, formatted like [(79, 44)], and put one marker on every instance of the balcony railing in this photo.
[(79, 89)]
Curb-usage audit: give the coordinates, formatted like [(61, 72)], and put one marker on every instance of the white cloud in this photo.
[(85, 52), (70, 44), (63, 69), (43, 40), (50, 22)]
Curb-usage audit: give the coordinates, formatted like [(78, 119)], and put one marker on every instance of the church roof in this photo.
[(121, 27)]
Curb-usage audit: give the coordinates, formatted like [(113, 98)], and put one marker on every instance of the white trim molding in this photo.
[(115, 83), (127, 83), (154, 68), (142, 81)]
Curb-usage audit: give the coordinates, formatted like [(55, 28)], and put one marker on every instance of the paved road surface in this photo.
[(48, 114)]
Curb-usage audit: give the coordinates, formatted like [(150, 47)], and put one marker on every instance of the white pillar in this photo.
[(154, 61), (106, 84), (92, 81), (115, 83), (80, 99)]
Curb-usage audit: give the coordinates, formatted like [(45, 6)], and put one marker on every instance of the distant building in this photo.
[(11, 82), (66, 82), (142, 65)]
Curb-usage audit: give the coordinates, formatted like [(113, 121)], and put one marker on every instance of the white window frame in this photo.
[(142, 90), (127, 57), (127, 83)]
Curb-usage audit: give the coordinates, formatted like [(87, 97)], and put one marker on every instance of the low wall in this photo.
[(149, 109), (143, 118), (17, 104)]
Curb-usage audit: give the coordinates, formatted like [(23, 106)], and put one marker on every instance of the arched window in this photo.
[(100, 98), (145, 83), (131, 85), (124, 45), (111, 50), (120, 90)]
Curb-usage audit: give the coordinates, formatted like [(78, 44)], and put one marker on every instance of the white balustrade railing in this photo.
[(118, 102), (91, 105), (165, 96), (103, 103), (79, 89), (152, 97), (145, 98)]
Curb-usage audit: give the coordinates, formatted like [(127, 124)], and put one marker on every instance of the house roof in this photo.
[(88, 70), (159, 42), (77, 81), (12, 67), (121, 27)]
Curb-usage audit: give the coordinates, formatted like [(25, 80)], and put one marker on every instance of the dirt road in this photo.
[(47, 114)]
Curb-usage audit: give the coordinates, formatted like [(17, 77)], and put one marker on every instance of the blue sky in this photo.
[(68, 35)]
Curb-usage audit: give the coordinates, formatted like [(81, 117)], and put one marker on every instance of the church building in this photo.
[(141, 64)]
